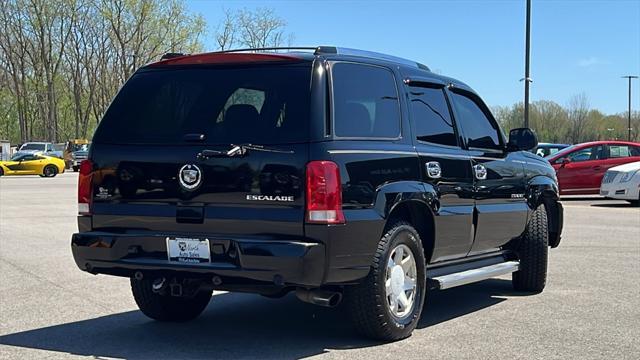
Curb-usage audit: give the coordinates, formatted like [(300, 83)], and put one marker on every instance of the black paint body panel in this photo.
[(138, 201)]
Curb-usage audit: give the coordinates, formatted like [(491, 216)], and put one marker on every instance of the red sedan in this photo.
[(580, 167)]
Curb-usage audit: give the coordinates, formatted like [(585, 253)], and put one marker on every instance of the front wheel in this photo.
[(533, 249), (387, 304), (164, 307)]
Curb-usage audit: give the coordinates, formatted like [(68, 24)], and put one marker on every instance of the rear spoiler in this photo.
[(218, 58)]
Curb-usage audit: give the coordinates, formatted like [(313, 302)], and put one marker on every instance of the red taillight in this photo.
[(324, 193), (84, 187)]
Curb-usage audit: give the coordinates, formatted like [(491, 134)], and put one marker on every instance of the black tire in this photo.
[(367, 301), (76, 168), (632, 202), (166, 307), (533, 249), (1, 172), (50, 171)]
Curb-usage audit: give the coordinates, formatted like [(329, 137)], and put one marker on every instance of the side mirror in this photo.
[(522, 139)]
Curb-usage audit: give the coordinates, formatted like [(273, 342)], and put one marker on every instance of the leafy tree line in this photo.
[(61, 62), (571, 124)]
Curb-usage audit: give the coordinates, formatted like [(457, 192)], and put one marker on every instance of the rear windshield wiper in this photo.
[(240, 150), (244, 148)]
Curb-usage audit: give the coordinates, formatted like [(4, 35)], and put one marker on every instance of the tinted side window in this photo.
[(479, 131), (431, 117), (365, 101), (586, 154), (619, 151)]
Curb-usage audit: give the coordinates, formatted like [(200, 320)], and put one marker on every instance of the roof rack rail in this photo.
[(376, 55), (274, 48), (332, 50)]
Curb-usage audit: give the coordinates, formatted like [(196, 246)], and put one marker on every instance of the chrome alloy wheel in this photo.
[(400, 281)]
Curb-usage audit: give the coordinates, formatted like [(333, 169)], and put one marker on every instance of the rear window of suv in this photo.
[(265, 104)]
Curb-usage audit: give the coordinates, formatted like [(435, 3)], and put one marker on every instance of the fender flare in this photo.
[(544, 190), (390, 195), (418, 199)]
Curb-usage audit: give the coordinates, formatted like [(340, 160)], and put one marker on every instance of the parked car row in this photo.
[(546, 149), (27, 163), (622, 182), (581, 168), (72, 151), (46, 148)]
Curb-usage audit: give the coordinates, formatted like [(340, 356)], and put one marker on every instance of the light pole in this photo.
[(527, 79), (629, 114)]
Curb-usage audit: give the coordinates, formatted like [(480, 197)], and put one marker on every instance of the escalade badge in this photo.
[(190, 177), (252, 197)]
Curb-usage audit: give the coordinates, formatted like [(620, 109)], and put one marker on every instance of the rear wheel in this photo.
[(532, 249), (164, 307), (1, 172), (50, 171), (75, 168), (387, 304)]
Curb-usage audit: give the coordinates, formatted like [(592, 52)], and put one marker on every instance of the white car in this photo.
[(622, 182)]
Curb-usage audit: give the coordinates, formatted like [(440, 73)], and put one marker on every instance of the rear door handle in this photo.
[(434, 171)]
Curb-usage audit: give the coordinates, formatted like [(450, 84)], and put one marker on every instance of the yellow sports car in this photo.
[(32, 164)]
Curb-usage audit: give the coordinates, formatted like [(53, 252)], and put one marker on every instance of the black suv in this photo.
[(325, 171)]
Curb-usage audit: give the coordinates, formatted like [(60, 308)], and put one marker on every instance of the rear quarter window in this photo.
[(365, 101), (621, 151)]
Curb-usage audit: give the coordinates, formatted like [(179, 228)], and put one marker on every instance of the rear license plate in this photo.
[(187, 250)]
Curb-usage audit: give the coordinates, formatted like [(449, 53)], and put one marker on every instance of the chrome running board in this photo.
[(475, 275)]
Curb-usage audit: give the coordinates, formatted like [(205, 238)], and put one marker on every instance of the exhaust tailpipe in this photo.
[(319, 297)]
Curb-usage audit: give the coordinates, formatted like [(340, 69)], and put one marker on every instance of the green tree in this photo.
[(63, 61), (257, 28)]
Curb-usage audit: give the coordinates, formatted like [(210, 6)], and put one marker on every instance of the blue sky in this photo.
[(576, 46)]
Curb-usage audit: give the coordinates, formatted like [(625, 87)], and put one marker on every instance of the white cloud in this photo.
[(591, 61)]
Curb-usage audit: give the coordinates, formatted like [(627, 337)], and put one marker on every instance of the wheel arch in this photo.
[(544, 190), (412, 202)]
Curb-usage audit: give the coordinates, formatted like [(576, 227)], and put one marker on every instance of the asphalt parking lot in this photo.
[(49, 309)]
